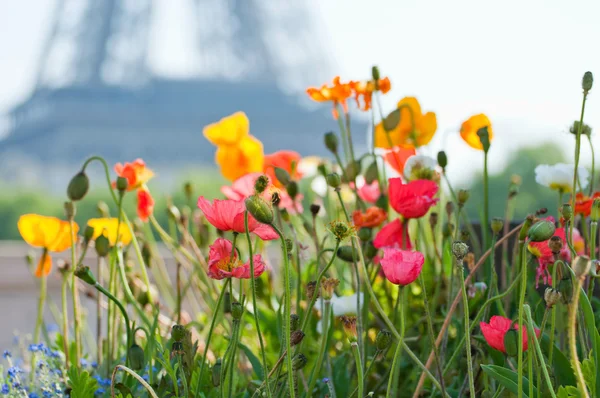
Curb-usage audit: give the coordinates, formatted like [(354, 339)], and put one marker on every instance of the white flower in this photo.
[(560, 176), (342, 306), (308, 166), (319, 185), (418, 162)]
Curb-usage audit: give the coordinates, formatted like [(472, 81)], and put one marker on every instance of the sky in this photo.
[(520, 62)]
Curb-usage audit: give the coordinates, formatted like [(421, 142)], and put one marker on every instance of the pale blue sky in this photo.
[(521, 62)]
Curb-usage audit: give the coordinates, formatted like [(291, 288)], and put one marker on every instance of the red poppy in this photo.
[(228, 215), (373, 217), (412, 200), (136, 173), (397, 158), (287, 160), (393, 234), (222, 265), (401, 267), (145, 204), (583, 203), (495, 331)]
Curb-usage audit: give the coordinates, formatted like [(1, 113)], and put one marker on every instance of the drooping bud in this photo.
[(122, 184), (585, 129), (497, 225), (587, 82), (442, 159), (551, 296), (372, 173), (370, 250), (349, 322), (565, 287), (567, 211), (136, 357), (83, 272), (555, 244), (328, 285), (88, 234), (299, 361), (511, 342), (216, 373), (174, 213), (102, 245), (178, 332), (78, 186), (347, 254), (262, 182), (383, 340), (460, 250), (294, 322), (103, 209), (541, 231), (375, 73), (237, 310), (310, 289), (331, 142), (364, 234), (296, 337), (463, 197), (314, 209), (260, 209), (334, 180), (582, 266), (292, 189)]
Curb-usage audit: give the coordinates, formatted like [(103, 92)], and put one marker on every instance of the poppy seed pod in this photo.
[(178, 332), (442, 159), (383, 340), (331, 142), (511, 342), (262, 182), (314, 209), (551, 296), (296, 337), (78, 186), (587, 82), (136, 357), (259, 208), (122, 184), (460, 250), (463, 197), (83, 272), (567, 211), (237, 310), (582, 266), (347, 254), (334, 180), (372, 173), (497, 224), (541, 231), (102, 246)]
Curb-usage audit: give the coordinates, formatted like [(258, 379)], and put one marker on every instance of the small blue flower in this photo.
[(16, 384), (14, 370), (100, 391), (6, 354), (146, 377), (84, 362), (326, 380), (4, 389), (94, 364), (33, 395)]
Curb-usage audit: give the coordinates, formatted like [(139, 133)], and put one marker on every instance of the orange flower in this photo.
[(145, 204), (49, 233), (583, 203), (338, 94), (136, 173), (397, 158), (287, 160), (108, 227), (373, 217), (366, 89), (238, 152), (468, 130), (414, 129)]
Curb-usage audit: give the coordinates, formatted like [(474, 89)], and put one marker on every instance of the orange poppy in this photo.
[(287, 160), (414, 129), (373, 217), (145, 204), (136, 173), (397, 158), (50, 233), (583, 203), (469, 128), (338, 93), (366, 89)]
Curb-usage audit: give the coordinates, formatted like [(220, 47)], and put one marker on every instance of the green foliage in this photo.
[(81, 383), (508, 379), (588, 368)]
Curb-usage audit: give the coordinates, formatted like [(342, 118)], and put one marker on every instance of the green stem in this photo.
[(255, 306), (324, 334), (538, 350), (287, 312), (530, 365), (593, 235), (553, 316), (520, 319), (151, 392), (127, 289), (577, 151), (391, 390), (486, 205), (591, 190), (359, 369), (465, 299), (65, 318), (99, 315), (41, 305), (123, 312), (572, 326), (75, 298)]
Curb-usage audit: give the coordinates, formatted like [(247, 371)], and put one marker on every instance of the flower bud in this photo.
[(382, 202), (188, 190), (260, 209), (347, 254), (331, 142), (282, 176), (70, 210), (525, 228), (565, 287), (460, 250), (585, 129), (328, 285), (178, 332), (375, 73), (289, 245), (237, 310), (372, 173), (310, 290), (449, 209), (352, 170), (102, 245), (555, 244), (587, 82), (497, 225), (442, 159), (88, 234), (299, 361), (433, 219), (349, 322), (370, 250), (364, 234), (275, 198), (292, 189), (595, 213), (122, 184), (83, 272), (174, 213), (78, 186), (551, 296), (541, 231), (216, 373), (383, 340), (262, 182), (294, 322), (296, 337), (314, 209), (511, 342), (581, 266), (227, 303), (465, 235), (463, 197), (136, 357), (340, 230), (567, 211), (484, 138), (334, 180), (448, 230)]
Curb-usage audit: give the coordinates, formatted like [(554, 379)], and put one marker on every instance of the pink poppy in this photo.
[(393, 234), (401, 267), (228, 215), (222, 265), (369, 192), (414, 199), (495, 331)]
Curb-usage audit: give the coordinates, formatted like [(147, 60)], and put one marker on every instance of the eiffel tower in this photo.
[(96, 94)]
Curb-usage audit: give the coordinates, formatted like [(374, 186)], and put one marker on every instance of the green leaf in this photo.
[(561, 365), (256, 364), (588, 368), (391, 120), (81, 383), (508, 379), (568, 392), (590, 325)]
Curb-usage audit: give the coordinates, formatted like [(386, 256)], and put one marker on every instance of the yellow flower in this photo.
[(238, 152), (108, 227), (469, 128), (414, 129), (50, 233)]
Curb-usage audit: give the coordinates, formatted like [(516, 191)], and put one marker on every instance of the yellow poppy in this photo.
[(414, 129), (108, 227), (50, 233), (238, 160), (469, 128), (228, 131)]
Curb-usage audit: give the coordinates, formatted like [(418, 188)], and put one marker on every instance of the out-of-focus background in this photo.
[(141, 78)]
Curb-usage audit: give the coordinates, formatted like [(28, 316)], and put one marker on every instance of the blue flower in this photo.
[(4, 389), (6, 354), (94, 364), (326, 380), (14, 370), (33, 395), (100, 391), (84, 362)]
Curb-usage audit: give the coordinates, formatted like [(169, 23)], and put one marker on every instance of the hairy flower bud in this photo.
[(567, 211), (292, 189), (262, 182), (372, 173), (237, 310), (587, 82), (383, 340), (349, 322), (294, 322), (551, 296), (328, 285), (122, 184), (449, 209), (341, 230), (347, 254), (296, 337), (136, 357), (178, 332), (541, 231), (83, 272), (364, 234), (497, 225), (463, 197), (460, 250), (442, 159), (259, 208), (353, 170), (511, 342), (310, 289), (102, 246), (78, 186), (88, 234), (299, 361), (334, 180), (331, 142), (375, 73), (525, 228)]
